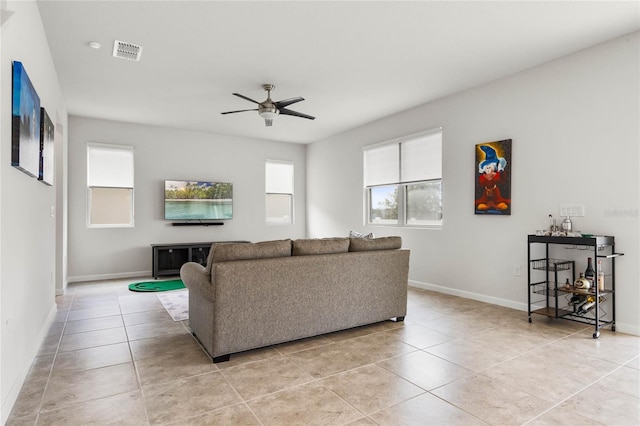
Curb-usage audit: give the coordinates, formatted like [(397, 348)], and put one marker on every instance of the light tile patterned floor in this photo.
[(116, 357)]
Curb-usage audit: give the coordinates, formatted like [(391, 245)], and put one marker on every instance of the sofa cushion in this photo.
[(275, 248), (305, 247), (224, 252), (382, 243), (354, 234), (210, 258)]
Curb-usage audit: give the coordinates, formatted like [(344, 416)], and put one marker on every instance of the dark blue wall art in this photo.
[(25, 133)]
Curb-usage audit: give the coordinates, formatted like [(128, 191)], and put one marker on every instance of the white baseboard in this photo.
[(621, 327), (470, 295), (16, 386), (116, 276), (628, 328)]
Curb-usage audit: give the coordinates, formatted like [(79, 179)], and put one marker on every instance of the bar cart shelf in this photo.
[(550, 296)]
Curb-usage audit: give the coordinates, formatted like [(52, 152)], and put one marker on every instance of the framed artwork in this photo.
[(25, 123), (46, 148), (493, 178)]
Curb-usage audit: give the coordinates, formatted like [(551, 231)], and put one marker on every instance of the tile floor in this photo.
[(116, 357)]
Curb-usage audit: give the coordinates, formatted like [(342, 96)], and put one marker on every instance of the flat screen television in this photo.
[(197, 200)]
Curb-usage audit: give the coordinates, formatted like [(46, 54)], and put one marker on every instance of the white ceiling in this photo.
[(353, 62)]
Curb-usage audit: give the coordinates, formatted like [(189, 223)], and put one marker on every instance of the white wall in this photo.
[(161, 154), (575, 131), (27, 230)]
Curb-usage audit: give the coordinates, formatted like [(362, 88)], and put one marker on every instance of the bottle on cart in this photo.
[(582, 283), (589, 273), (577, 300), (600, 276), (589, 304), (586, 306)]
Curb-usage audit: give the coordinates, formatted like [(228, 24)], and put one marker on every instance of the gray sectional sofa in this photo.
[(253, 295)]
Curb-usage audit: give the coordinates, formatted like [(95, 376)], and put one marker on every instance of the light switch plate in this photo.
[(572, 210)]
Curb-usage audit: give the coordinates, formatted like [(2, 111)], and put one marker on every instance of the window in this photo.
[(279, 191), (403, 181), (109, 186)]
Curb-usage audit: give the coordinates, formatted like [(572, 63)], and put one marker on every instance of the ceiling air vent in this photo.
[(124, 50)]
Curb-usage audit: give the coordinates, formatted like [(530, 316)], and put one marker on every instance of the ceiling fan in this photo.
[(269, 109)]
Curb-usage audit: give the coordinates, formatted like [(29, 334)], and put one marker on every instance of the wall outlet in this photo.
[(572, 210), (516, 271)]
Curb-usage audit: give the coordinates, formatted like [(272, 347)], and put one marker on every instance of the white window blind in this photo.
[(381, 165), (279, 177), (110, 166), (421, 158)]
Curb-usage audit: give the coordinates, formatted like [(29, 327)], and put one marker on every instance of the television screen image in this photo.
[(197, 200)]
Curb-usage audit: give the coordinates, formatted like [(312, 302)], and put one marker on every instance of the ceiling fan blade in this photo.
[(244, 97), (285, 111), (240, 110), (287, 102)]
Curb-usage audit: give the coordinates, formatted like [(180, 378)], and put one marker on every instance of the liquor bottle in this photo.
[(577, 300), (589, 273), (600, 276), (582, 283)]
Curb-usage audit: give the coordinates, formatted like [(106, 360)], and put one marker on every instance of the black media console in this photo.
[(167, 259)]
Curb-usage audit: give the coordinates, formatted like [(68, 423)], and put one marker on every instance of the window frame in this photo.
[(402, 186), (273, 220), (128, 189)]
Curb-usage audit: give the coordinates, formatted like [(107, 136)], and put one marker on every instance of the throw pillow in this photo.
[(354, 234)]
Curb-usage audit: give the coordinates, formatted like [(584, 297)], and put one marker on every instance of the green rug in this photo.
[(157, 285)]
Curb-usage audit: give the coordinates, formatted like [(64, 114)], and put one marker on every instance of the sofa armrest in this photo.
[(195, 278)]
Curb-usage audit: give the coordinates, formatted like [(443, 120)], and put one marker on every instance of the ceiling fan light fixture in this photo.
[(268, 112)]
